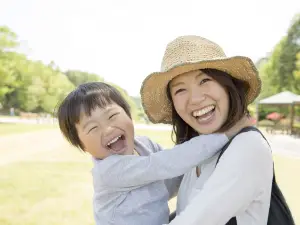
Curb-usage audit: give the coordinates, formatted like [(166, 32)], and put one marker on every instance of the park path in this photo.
[(284, 145), (17, 147)]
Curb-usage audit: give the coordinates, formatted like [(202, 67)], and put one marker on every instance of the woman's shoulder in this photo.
[(251, 138), (249, 155), (249, 145)]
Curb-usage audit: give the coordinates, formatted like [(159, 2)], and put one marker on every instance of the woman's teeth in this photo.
[(203, 111)]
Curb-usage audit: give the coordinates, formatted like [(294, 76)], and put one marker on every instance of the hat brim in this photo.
[(153, 91)]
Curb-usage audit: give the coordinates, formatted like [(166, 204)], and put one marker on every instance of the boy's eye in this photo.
[(113, 115), (204, 80), (92, 129)]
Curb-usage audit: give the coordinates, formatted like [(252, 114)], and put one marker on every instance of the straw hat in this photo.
[(189, 53)]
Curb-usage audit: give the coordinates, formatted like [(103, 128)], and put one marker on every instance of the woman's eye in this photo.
[(204, 80), (113, 115), (179, 90)]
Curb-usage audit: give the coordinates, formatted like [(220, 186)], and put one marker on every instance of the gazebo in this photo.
[(297, 101), (286, 99)]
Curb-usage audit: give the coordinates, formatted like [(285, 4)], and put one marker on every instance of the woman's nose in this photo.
[(196, 97)]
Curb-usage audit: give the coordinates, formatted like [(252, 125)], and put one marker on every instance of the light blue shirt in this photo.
[(134, 190)]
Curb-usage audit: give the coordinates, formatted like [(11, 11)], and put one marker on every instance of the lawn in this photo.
[(12, 128), (55, 187)]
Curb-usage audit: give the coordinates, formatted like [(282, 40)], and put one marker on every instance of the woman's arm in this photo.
[(128, 171), (243, 172)]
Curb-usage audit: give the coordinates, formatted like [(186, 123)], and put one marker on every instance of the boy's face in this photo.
[(106, 132)]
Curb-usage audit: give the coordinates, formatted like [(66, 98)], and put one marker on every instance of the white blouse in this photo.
[(239, 186)]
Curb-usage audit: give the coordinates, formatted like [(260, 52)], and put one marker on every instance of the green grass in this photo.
[(8, 116), (14, 128), (265, 123), (46, 193), (55, 187), (287, 174)]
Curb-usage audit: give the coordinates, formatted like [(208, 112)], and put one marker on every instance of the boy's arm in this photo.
[(172, 184), (129, 171)]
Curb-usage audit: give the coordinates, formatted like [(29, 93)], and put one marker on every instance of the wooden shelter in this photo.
[(283, 99)]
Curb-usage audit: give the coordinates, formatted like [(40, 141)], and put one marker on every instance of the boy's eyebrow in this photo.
[(106, 111), (87, 123)]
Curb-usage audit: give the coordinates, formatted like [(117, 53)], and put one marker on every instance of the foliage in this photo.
[(36, 87), (33, 86), (78, 77), (281, 70)]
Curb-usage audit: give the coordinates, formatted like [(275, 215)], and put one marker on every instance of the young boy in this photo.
[(133, 177)]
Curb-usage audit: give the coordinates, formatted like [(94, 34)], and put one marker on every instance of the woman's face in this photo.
[(200, 101)]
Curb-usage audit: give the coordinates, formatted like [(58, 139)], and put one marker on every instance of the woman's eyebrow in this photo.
[(201, 75), (176, 84)]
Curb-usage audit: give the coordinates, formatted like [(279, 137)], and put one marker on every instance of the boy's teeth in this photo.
[(113, 140), (203, 111)]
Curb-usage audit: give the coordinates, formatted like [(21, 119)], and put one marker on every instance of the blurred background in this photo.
[(47, 48)]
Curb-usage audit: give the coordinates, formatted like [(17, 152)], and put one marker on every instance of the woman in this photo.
[(201, 91)]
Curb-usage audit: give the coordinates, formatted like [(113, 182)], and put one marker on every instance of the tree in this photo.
[(33, 86), (78, 77), (8, 40), (269, 72), (279, 71), (296, 72), (38, 88), (59, 88), (287, 59)]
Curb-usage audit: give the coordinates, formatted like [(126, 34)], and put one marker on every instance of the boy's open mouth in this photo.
[(117, 144)]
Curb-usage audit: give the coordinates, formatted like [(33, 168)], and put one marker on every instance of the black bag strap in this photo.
[(245, 129), (276, 192), (233, 220)]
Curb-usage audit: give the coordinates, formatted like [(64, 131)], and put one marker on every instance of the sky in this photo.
[(124, 40)]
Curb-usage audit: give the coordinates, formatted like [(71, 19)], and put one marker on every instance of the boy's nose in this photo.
[(107, 131)]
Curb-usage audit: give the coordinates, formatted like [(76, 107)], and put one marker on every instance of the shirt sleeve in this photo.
[(243, 172), (129, 171), (172, 184)]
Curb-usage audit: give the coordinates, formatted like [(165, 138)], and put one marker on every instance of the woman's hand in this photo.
[(242, 123)]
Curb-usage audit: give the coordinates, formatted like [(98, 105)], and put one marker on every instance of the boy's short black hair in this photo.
[(86, 98)]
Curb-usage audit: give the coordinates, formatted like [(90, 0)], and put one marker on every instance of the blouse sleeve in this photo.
[(244, 171)]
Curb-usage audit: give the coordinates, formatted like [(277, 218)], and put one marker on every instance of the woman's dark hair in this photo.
[(236, 90), (86, 98)]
